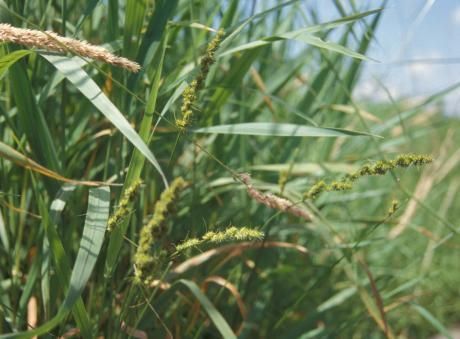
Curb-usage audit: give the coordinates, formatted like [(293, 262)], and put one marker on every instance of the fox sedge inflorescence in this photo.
[(191, 91), (122, 209), (230, 234), (379, 168), (146, 259)]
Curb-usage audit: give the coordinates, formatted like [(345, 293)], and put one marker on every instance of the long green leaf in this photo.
[(337, 299), (4, 234), (53, 246), (336, 23), (32, 121), (19, 159), (217, 318), (90, 247), (306, 38), (164, 10), (236, 29), (91, 241), (307, 168), (134, 18), (279, 130), (305, 35), (73, 71), (7, 60), (432, 320)]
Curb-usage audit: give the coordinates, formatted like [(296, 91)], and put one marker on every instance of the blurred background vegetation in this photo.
[(353, 271)]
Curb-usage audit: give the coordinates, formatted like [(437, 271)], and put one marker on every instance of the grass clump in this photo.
[(284, 91)]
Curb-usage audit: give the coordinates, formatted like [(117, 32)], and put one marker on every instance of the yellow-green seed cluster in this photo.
[(379, 168), (191, 91), (321, 186), (122, 209), (146, 259), (382, 167), (230, 234)]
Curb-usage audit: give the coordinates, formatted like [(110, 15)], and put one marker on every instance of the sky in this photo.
[(418, 46)]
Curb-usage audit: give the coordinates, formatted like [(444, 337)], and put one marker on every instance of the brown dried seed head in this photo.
[(51, 41)]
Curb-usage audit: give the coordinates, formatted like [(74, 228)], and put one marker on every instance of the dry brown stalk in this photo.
[(51, 41), (274, 201)]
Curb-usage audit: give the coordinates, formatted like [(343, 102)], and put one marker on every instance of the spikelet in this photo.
[(230, 234), (122, 210), (189, 96), (146, 260), (51, 41), (189, 243), (381, 167), (321, 186)]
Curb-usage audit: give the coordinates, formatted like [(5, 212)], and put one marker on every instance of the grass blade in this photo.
[(280, 130), (9, 59), (305, 35), (11, 154), (213, 313), (91, 242), (337, 299), (432, 320), (90, 247), (73, 71), (4, 239), (32, 119), (134, 17)]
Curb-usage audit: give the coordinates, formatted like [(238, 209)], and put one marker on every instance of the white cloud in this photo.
[(456, 16), (372, 90), (421, 71), (364, 89)]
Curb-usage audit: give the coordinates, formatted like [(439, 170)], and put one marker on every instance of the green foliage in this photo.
[(272, 97)]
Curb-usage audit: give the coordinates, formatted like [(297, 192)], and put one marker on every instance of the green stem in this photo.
[(137, 161)]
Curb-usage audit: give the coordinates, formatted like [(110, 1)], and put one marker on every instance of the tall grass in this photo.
[(88, 250)]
